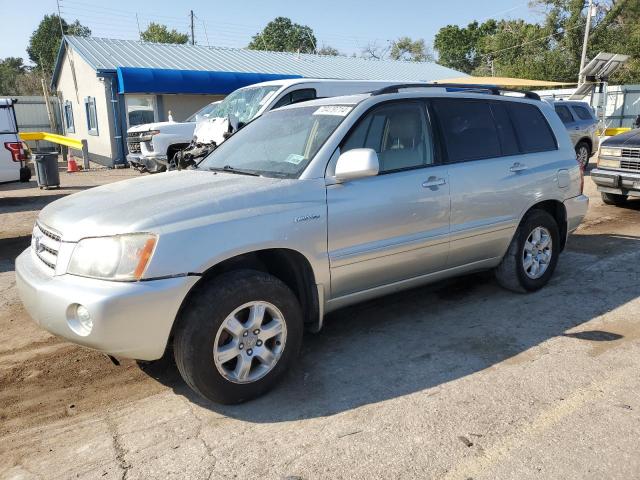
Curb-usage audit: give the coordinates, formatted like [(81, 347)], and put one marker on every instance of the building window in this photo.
[(92, 116), (68, 117)]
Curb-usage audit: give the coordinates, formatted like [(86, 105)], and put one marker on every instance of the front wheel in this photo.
[(532, 255), (613, 198), (583, 152), (238, 336)]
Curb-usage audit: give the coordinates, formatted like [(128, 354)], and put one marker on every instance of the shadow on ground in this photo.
[(416, 340), (10, 248)]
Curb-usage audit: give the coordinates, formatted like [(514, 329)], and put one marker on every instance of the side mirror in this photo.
[(357, 163)]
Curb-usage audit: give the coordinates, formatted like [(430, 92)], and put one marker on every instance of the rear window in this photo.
[(582, 112), (468, 129), (532, 129)]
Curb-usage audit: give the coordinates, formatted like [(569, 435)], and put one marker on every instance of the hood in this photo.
[(155, 202), (162, 126), (211, 130), (627, 139)]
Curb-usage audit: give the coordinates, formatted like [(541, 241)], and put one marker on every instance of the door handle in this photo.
[(517, 167), (433, 182)]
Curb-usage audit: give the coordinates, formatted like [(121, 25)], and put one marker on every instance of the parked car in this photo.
[(13, 155), (582, 125), (618, 172), (152, 145), (248, 103), (309, 208)]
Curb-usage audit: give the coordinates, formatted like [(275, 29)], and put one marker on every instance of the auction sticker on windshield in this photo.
[(339, 110)]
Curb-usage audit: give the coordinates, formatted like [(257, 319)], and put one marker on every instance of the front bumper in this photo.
[(130, 319), (576, 209), (616, 181), (152, 164)]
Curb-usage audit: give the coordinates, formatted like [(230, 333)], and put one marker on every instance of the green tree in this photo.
[(460, 47), (45, 40), (159, 33), (404, 48), (328, 50), (282, 35), (11, 68)]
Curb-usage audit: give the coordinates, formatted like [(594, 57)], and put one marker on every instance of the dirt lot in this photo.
[(458, 380)]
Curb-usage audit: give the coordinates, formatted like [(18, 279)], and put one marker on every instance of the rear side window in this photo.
[(582, 112), (564, 114), (532, 129), (468, 129), (506, 133)]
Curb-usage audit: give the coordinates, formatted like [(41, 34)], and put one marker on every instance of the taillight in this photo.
[(17, 152)]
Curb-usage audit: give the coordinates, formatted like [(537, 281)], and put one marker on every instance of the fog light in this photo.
[(80, 320)]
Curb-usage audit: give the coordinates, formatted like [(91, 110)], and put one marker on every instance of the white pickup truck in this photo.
[(12, 152), (152, 145)]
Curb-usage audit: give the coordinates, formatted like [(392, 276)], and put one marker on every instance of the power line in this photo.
[(553, 35)]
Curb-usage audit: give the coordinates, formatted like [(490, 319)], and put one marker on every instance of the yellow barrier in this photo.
[(53, 138), (610, 132)]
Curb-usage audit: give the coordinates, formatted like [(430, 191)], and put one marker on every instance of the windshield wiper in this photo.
[(240, 171)]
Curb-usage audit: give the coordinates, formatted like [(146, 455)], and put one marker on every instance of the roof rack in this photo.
[(459, 87)]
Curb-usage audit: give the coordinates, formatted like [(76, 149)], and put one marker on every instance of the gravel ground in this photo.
[(458, 380)]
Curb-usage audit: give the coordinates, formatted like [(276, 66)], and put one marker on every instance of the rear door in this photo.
[(394, 226), (570, 122), (496, 154), (9, 170)]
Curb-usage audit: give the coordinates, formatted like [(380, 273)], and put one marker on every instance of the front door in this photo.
[(394, 226)]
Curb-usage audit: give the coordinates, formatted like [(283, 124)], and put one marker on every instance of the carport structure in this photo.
[(106, 86)]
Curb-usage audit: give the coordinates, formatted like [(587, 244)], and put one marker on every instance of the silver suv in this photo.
[(582, 126), (307, 209)]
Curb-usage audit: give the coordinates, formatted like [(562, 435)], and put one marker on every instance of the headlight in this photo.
[(611, 152), (121, 257), (607, 162)]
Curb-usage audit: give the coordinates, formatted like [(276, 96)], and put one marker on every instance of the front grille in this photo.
[(45, 244), (631, 152), (633, 165), (134, 147)]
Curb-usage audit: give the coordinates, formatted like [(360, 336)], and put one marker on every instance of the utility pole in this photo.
[(193, 40), (585, 41)]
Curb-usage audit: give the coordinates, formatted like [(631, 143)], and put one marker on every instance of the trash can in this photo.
[(47, 174)]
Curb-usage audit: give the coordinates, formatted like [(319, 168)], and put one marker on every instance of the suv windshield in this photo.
[(245, 102), (208, 111), (280, 143)]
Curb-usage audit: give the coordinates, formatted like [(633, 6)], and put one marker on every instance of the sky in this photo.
[(347, 26)]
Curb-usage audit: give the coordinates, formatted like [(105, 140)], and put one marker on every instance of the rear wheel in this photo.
[(583, 152), (532, 255), (613, 198), (238, 336)]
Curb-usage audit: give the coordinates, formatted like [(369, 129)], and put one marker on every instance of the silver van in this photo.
[(582, 126), (309, 208)]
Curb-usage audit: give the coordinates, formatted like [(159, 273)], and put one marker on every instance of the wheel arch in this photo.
[(588, 141), (290, 266), (558, 211)]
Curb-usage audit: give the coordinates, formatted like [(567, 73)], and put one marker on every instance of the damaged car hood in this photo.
[(156, 202)]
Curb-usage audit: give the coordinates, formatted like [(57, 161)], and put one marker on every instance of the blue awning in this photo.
[(158, 80)]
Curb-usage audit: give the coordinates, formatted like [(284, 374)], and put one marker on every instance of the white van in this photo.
[(12, 152), (248, 103)]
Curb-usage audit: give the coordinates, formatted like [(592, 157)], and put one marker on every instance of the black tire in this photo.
[(613, 198), (25, 174), (203, 316), (511, 273), (583, 150)]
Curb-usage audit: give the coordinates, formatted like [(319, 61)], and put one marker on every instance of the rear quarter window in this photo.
[(533, 132), (582, 112)]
